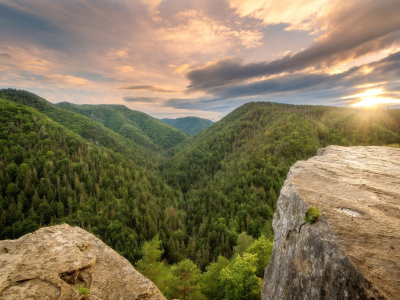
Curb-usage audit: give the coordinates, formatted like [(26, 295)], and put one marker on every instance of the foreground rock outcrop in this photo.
[(353, 250), (51, 262)]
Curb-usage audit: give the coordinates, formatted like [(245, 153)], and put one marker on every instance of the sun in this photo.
[(375, 101), (372, 98)]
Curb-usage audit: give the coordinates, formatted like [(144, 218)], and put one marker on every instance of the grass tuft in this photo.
[(312, 215), (83, 290)]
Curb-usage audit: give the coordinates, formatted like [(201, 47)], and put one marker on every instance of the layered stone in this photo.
[(353, 250)]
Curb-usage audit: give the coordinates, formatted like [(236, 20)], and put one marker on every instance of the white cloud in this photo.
[(300, 14)]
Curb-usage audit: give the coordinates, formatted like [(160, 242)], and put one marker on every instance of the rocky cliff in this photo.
[(53, 262), (353, 250)]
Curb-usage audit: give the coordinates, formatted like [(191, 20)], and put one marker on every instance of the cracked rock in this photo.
[(352, 251), (53, 261)]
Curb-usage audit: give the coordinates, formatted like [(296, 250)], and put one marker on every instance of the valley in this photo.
[(136, 182)]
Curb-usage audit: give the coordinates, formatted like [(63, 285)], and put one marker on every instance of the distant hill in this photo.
[(134, 125), (190, 125), (89, 129)]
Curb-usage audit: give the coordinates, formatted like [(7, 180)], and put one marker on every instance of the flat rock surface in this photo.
[(51, 262), (357, 190)]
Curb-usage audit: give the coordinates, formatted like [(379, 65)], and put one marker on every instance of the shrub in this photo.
[(312, 215)]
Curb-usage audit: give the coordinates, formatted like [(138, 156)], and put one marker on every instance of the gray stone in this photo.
[(51, 262), (353, 250)]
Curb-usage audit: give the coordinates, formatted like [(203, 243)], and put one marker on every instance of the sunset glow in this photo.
[(174, 58), (375, 101), (372, 98)]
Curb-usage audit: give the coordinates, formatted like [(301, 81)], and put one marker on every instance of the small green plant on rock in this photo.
[(312, 215), (83, 290)]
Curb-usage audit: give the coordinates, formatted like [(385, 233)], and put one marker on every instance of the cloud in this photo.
[(143, 99), (66, 79), (347, 37), (181, 68), (299, 14), (381, 73), (26, 60), (18, 24), (204, 104), (288, 83), (197, 31), (305, 88), (152, 8), (249, 38), (151, 88), (114, 54), (101, 51), (125, 69)]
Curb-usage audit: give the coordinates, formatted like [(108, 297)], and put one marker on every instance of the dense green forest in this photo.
[(89, 129), (204, 206), (190, 125), (231, 173), (51, 175), (134, 125)]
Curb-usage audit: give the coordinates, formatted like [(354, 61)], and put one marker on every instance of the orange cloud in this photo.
[(125, 69), (66, 79), (181, 68), (209, 34)]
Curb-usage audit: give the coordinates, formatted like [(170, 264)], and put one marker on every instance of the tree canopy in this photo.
[(201, 204)]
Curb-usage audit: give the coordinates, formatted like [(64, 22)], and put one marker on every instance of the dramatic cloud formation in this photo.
[(345, 39), (202, 57), (380, 73)]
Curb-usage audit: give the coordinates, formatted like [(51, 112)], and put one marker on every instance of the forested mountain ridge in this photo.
[(51, 175), (139, 127), (232, 172), (89, 129), (222, 183), (190, 125)]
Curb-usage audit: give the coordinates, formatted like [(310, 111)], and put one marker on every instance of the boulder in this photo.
[(53, 262), (352, 251)]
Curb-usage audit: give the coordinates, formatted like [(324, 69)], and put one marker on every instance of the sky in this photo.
[(175, 58)]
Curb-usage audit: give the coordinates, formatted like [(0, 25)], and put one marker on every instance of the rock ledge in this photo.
[(353, 251), (52, 261)]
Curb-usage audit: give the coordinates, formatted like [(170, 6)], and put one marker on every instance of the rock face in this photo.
[(353, 250), (51, 262)]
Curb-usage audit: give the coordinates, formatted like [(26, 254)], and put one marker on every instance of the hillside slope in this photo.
[(190, 125), (232, 172), (222, 181), (139, 127), (89, 129), (51, 175)]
